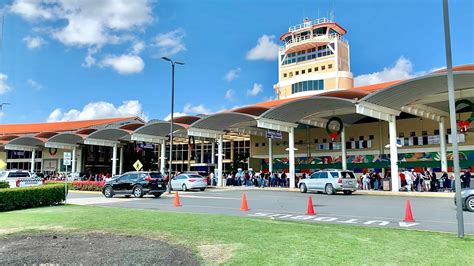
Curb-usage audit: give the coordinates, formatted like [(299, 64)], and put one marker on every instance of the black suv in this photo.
[(136, 184)]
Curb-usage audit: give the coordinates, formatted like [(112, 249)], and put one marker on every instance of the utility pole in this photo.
[(452, 120)]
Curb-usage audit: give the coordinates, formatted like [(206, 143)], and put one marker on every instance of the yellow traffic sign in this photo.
[(2, 164), (138, 165)]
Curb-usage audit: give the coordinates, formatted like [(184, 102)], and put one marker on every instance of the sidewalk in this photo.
[(449, 195)]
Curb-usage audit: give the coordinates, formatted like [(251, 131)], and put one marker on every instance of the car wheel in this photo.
[(108, 192), (138, 191), (470, 204), (347, 192), (184, 187), (202, 189), (303, 188), (329, 189), (157, 195)]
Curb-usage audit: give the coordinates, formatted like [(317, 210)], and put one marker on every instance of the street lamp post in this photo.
[(173, 63), (452, 118)]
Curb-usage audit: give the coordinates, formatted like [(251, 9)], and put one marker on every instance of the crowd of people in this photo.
[(255, 179)]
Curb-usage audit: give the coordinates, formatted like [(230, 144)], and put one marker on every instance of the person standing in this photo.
[(467, 178)]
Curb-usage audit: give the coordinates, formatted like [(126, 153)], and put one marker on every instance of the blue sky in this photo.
[(92, 59)]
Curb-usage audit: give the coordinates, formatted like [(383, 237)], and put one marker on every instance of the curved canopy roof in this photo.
[(224, 121), (67, 138), (315, 106), (111, 134), (410, 91), (158, 128), (27, 141)]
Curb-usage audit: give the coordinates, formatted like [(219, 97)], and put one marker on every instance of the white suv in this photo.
[(330, 182), (20, 178)]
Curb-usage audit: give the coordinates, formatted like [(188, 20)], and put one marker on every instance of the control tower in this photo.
[(314, 58)]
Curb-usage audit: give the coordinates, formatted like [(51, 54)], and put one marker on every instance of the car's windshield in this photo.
[(195, 176), (156, 175), (18, 174), (348, 175)]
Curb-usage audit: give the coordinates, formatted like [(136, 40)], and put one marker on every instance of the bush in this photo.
[(4, 184), (30, 197), (88, 185)]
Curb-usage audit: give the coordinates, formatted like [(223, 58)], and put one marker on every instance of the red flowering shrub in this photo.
[(88, 185)]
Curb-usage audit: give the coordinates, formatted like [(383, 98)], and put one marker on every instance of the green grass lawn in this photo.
[(240, 240)]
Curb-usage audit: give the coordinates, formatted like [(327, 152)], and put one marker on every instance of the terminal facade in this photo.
[(324, 122)]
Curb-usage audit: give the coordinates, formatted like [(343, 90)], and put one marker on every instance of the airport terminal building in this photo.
[(319, 120)]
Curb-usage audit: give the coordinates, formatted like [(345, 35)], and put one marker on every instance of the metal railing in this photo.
[(312, 37), (309, 23)]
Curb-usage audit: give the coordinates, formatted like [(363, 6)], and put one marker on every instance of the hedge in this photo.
[(31, 197), (4, 184), (81, 185)]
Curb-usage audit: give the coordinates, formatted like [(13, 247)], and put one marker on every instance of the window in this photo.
[(297, 73), (263, 144), (316, 69), (361, 137), (371, 136), (303, 71), (412, 134), (309, 70), (284, 75), (424, 133), (315, 175), (256, 144), (448, 131), (316, 141), (401, 135), (309, 85), (325, 140), (329, 66), (323, 175), (436, 132), (323, 67)]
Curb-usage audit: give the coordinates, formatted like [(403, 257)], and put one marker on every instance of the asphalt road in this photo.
[(435, 214)]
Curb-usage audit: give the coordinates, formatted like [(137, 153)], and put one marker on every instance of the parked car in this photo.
[(330, 182), (136, 184), (187, 181), (467, 196)]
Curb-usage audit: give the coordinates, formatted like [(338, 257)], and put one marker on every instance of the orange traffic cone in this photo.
[(310, 207), (176, 200), (408, 213), (244, 207)]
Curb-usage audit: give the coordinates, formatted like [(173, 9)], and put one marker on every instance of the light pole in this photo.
[(452, 119), (173, 63)]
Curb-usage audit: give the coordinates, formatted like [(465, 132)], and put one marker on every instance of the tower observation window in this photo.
[(308, 85)]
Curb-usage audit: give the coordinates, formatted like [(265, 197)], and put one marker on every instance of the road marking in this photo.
[(329, 219)]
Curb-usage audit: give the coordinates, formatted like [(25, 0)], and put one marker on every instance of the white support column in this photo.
[(291, 151), (162, 158), (33, 157), (219, 161), (114, 160), (270, 155), (442, 143), (343, 148), (121, 161), (394, 153), (213, 152), (73, 168), (202, 152)]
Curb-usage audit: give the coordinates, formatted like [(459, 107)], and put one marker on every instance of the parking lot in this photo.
[(436, 214)]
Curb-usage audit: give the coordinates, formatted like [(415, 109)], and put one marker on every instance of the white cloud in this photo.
[(124, 64), (170, 43), (266, 49), (97, 110), (403, 69), (229, 94), (87, 22), (90, 59), (196, 109), (232, 74), (175, 114), (4, 87), (34, 42), (256, 89), (269, 98), (138, 47), (34, 84)]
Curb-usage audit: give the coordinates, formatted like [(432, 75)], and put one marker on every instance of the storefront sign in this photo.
[(273, 134)]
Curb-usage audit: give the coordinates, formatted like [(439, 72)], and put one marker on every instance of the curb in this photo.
[(446, 195), (84, 192)]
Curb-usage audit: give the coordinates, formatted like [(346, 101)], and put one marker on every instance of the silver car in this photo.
[(186, 182), (330, 182), (467, 196)]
